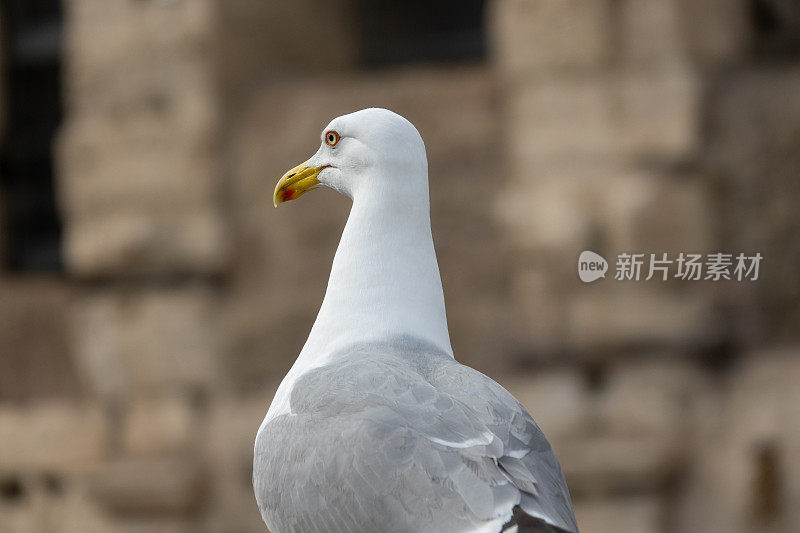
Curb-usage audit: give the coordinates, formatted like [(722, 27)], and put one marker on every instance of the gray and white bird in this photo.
[(377, 427)]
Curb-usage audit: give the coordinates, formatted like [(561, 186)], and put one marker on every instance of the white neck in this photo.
[(384, 283), (384, 287)]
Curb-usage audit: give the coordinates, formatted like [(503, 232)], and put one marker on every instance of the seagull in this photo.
[(376, 426)]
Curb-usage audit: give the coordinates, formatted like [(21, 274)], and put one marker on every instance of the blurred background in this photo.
[(151, 298)]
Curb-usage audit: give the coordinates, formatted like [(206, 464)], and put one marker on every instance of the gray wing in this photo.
[(413, 444), (527, 457)]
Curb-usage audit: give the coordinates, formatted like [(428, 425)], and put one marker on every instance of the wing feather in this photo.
[(405, 444)]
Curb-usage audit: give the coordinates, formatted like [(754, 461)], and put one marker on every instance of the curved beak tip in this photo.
[(295, 183)]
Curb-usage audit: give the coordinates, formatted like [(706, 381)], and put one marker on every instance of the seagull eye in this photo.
[(331, 138)]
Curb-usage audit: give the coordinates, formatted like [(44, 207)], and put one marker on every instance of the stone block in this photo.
[(158, 426), (563, 208), (753, 111), (138, 153), (561, 119), (71, 511), (616, 464), (140, 195), (51, 438), (631, 437), (137, 54), (169, 487), (673, 214), (626, 514), (764, 394), (146, 162), (745, 456), (538, 292), (651, 33), (554, 215), (153, 340), (632, 115), (535, 35), (230, 434), (765, 433), (658, 112), (614, 317), (151, 524), (132, 244), (717, 32), (19, 517), (754, 124), (652, 399), (36, 360), (567, 209), (549, 210), (259, 38)]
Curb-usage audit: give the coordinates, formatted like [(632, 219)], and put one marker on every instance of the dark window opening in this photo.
[(767, 486), (776, 25), (30, 224), (11, 489), (596, 375), (393, 33)]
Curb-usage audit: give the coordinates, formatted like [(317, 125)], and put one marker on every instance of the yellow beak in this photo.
[(296, 182)]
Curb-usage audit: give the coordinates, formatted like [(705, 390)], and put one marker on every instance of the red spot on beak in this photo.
[(287, 194)]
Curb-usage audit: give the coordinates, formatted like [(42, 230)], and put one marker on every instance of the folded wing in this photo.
[(413, 443)]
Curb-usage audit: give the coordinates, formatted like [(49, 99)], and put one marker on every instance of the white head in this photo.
[(372, 153), (384, 283)]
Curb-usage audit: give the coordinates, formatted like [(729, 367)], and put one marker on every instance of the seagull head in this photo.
[(372, 153)]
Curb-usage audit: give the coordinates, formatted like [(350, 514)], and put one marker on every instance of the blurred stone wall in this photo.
[(132, 386)]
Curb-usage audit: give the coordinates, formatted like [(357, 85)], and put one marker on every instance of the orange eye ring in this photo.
[(332, 137)]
